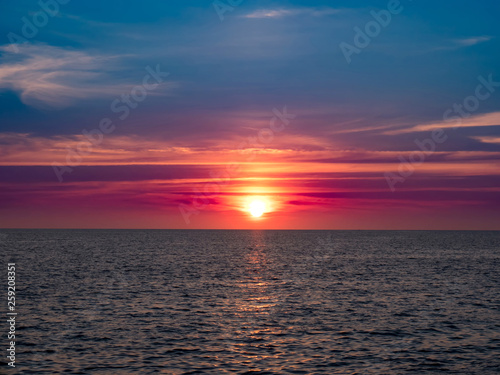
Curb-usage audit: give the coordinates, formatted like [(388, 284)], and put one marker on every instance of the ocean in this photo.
[(254, 302)]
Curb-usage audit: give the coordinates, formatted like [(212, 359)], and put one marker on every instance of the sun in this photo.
[(257, 207)]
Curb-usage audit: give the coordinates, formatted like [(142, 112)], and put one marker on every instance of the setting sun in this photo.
[(257, 208)]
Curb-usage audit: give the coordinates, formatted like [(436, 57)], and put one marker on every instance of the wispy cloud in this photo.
[(284, 12), (452, 45), (49, 76), (488, 139), (473, 41), (488, 119)]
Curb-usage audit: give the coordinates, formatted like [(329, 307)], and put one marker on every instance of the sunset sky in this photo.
[(182, 114)]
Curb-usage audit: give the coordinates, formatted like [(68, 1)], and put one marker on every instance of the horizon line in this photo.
[(257, 229)]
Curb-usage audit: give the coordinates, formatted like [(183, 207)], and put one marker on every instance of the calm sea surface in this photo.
[(254, 302)]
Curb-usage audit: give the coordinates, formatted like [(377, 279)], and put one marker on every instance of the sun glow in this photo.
[(257, 207)]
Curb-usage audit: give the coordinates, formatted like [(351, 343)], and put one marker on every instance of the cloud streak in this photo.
[(473, 41), (488, 119), (283, 12), (47, 76)]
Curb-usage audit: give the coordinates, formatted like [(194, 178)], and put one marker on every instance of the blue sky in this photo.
[(416, 67)]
